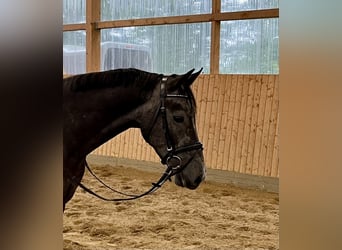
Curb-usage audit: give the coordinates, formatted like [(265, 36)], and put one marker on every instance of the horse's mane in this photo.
[(118, 78), (112, 78)]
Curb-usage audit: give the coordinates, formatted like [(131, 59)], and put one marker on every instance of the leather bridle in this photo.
[(168, 159), (171, 149)]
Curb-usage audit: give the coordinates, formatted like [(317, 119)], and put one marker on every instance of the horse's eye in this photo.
[(178, 118)]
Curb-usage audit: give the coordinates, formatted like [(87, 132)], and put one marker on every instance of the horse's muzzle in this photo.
[(191, 176)]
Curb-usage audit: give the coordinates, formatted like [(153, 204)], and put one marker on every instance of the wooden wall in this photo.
[(237, 119)]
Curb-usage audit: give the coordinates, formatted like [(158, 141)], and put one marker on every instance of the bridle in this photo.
[(171, 155), (171, 149)]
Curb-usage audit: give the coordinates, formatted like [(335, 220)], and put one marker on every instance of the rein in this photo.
[(172, 152), (166, 176)]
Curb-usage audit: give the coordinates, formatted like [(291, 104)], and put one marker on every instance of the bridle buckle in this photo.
[(178, 166)]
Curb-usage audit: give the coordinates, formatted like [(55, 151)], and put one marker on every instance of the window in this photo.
[(247, 46), (74, 52), (124, 55), (133, 9), (74, 11), (239, 5), (169, 48)]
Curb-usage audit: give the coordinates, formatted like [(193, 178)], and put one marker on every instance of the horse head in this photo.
[(168, 124)]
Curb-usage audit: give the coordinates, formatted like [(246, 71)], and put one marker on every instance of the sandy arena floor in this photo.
[(214, 216)]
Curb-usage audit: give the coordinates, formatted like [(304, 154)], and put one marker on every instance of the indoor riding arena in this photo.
[(236, 206)]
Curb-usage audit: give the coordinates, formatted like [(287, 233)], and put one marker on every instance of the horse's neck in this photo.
[(120, 115)]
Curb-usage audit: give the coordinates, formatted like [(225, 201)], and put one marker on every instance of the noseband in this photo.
[(171, 155), (172, 151)]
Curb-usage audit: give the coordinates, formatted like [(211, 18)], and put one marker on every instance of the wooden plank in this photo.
[(112, 151), (247, 127), (230, 119), (223, 131), (266, 125), (139, 149), (259, 126), (93, 38), (219, 82), (117, 141), (234, 133), (252, 132), (155, 21), (212, 105), (119, 144), (242, 122), (134, 143), (137, 144), (110, 147), (107, 146), (207, 100), (116, 146), (240, 117), (74, 27), (124, 141), (275, 157), (244, 15), (126, 136), (273, 127), (210, 122), (212, 17), (130, 143), (213, 120), (223, 120)]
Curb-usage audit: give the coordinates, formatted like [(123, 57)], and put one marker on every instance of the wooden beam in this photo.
[(93, 40), (155, 21), (74, 27), (244, 15), (215, 39), (216, 16), (225, 16)]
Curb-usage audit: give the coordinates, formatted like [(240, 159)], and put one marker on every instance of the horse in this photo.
[(98, 106)]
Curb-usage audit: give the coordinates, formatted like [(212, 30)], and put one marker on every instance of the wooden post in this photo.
[(93, 40), (215, 39)]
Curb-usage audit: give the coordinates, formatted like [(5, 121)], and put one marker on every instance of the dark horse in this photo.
[(98, 106)]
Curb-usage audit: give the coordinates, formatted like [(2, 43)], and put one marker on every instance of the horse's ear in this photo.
[(187, 79), (193, 77), (187, 75)]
